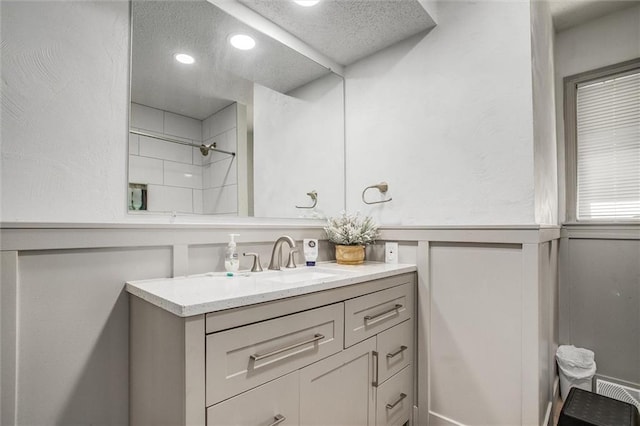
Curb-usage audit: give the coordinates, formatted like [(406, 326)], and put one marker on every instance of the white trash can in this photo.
[(577, 367)]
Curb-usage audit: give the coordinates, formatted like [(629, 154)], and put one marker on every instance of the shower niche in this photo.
[(137, 199)]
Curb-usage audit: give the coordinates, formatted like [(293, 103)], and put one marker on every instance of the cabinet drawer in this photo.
[(264, 405), (368, 315), (245, 357), (395, 350), (395, 399)]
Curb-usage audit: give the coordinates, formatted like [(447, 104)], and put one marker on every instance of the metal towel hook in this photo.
[(383, 187), (314, 196)]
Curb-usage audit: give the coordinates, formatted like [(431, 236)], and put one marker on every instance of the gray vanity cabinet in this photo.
[(342, 356)]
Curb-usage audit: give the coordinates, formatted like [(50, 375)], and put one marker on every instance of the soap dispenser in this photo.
[(231, 263)]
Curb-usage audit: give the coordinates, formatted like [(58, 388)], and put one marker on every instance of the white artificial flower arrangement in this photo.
[(351, 230)]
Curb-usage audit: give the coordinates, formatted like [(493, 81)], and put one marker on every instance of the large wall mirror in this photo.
[(257, 132)]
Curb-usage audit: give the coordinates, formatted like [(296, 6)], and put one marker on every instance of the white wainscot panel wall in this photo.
[(486, 311)]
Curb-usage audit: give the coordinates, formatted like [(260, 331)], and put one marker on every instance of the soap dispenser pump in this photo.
[(231, 262)]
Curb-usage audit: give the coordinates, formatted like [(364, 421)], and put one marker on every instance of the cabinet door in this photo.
[(338, 390), (274, 403)]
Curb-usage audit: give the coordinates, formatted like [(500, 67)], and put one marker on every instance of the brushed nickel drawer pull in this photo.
[(398, 352), (374, 383), (381, 314), (258, 357), (402, 396), (278, 418)]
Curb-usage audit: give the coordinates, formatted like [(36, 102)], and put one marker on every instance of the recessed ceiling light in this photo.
[(183, 58), (307, 3), (242, 42)]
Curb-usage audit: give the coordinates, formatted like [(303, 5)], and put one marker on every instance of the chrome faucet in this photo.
[(275, 263)]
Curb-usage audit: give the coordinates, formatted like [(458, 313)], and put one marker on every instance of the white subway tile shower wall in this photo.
[(227, 141), (156, 148), (197, 157), (219, 122), (145, 170), (169, 199), (198, 205), (219, 183), (219, 174), (182, 175), (177, 174), (143, 117), (221, 200), (181, 126)]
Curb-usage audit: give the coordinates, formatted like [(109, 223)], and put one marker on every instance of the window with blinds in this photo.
[(608, 148)]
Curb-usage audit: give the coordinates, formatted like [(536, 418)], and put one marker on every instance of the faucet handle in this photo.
[(291, 262), (256, 267)]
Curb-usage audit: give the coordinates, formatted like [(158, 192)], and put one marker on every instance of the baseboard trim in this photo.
[(436, 419), (547, 415), (551, 407)]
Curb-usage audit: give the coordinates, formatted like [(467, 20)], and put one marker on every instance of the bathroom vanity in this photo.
[(324, 345)]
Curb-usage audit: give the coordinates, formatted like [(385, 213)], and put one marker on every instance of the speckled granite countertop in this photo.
[(199, 294)]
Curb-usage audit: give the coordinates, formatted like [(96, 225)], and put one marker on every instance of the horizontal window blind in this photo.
[(608, 148)]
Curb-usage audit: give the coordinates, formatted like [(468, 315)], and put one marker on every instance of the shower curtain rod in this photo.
[(204, 149)]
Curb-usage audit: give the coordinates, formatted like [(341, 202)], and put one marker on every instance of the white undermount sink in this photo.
[(304, 274)]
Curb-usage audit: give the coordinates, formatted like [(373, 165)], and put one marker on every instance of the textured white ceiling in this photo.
[(569, 13), (347, 30), (221, 74), (344, 30)]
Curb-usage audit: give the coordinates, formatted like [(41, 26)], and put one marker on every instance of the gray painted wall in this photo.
[(600, 302), (600, 281)]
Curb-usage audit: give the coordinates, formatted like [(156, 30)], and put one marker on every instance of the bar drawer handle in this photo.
[(374, 383), (278, 418), (402, 396), (398, 352), (381, 314), (258, 357)]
